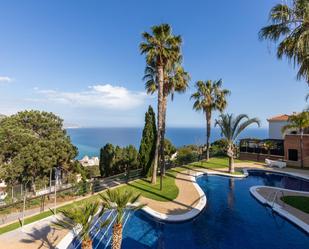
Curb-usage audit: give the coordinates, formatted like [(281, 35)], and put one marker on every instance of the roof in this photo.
[(283, 117)]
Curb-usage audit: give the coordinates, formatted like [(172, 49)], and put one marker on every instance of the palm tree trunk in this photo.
[(162, 154), (208, 130), (230, 153), (301, 149), (231, 165), (117, 236), (87, 243), (159, 114)]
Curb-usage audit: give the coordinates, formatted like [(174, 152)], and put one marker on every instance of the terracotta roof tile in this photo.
[(283, 117)]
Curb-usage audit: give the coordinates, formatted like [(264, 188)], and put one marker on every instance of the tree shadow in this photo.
[(46, 236), (172, 200), (148, 191), (179, 178), (146, 185)]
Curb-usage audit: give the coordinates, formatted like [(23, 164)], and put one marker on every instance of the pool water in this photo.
[(232, 219)]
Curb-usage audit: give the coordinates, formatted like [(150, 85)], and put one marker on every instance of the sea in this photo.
[(90, 140)]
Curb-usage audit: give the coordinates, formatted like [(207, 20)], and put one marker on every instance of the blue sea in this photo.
[(90, 140)]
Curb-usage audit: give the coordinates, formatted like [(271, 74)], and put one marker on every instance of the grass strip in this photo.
[(299, 202)]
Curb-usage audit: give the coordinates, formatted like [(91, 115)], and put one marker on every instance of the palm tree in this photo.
[(289, 25), (269, 145), (160, 47), (301, 122), (120, 202), (176, 79), (231, 128), (80, 219), (209, 97)]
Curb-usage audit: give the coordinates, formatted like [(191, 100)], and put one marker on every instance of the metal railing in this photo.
[(26, 203), (275, 198)]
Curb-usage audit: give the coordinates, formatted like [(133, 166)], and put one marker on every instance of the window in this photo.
[(293, 155)]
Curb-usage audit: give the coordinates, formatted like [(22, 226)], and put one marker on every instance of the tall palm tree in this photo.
[(231, 127), (209, 97), (300, 122), (289, 25), (80, 218), (176, 79), (160, 47), (120, 202)]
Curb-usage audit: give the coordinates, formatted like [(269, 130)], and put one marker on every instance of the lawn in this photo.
[(299, 202), (143, 186), (214, 163), (170, 190)]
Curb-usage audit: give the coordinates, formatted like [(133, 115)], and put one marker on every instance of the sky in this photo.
[(81, 59)]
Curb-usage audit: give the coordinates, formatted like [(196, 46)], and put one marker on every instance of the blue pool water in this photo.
[(232, 219)]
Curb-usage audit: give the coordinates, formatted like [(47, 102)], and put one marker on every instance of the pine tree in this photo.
[(148, 142), (107, 155)]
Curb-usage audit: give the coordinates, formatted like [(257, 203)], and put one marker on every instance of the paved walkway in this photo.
[(269, 193), (37, 235), (6, 219), (187, 198)]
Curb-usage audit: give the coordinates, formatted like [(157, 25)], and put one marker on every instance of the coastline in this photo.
[(89, 140)]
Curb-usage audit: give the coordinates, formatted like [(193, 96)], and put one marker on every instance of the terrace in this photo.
[(260, 149)]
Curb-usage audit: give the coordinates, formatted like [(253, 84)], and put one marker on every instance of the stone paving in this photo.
[(38, 235)]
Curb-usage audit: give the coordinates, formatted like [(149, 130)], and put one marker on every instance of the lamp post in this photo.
[(57, 173)]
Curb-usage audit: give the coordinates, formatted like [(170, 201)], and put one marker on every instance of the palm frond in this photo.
[(209, 96), (289, 25), (245, 125), (120, 201), (232, 127)]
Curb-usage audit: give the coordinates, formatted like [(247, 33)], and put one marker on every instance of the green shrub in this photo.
[(186, 155), (218, 148), (92, 171)]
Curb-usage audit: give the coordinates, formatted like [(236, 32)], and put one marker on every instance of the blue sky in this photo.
[(80, 59)]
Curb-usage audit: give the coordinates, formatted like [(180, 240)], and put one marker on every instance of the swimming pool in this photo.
[(232, 219)]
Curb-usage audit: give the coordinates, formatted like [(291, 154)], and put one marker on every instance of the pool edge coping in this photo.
[(196, 209), (277, 208), (184, 216)]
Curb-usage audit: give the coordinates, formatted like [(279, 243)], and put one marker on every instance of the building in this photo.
[(278, 146), (86, 161), (275, 125)]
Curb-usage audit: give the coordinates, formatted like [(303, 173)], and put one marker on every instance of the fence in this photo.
[(16, 193), (19, 203)]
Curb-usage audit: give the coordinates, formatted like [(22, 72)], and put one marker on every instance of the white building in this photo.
[(86, 161), (275, 125), (2, 184)]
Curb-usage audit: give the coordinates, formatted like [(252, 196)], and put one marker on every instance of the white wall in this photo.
[(2, 184), (274, 129)]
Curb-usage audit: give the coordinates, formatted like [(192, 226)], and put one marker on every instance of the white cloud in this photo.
[(102, 96), (5, 79)]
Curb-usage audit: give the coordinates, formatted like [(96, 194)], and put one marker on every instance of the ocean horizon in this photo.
[(90, 140)]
